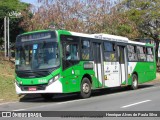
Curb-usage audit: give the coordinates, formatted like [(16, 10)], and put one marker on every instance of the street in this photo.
[(146, 98)]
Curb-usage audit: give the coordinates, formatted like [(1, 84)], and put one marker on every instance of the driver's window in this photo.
[(72, 52)]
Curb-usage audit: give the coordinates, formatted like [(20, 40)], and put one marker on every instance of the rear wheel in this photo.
[(47, 96), (85, 88), (134, 85)]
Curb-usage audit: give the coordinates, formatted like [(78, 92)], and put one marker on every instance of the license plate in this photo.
[(32, 89)]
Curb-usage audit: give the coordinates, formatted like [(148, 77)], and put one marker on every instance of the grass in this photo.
[(7, 89)]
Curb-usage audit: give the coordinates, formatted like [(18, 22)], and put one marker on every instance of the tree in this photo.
[(119, 24), (145, 14), (6, 7), (87, 16), (76, 15)]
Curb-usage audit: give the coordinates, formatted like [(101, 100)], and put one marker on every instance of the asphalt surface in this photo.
[(146, 98)]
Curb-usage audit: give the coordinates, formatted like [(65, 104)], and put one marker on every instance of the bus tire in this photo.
[(85, 89), (134, 85), (47, 96)]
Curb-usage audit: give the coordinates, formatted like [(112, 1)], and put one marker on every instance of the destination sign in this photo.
[(36, 36)]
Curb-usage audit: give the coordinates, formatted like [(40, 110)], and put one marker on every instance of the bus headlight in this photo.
[(20, 82), (53, 79), (17, 83)]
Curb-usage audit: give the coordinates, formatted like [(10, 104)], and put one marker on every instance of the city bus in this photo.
[(48, 62)]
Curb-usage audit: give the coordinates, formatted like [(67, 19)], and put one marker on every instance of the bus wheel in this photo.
[(85, 88), (47, 96), (134, 85)]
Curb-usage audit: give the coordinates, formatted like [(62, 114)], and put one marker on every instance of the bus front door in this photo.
[(97, 56), (122, 65)]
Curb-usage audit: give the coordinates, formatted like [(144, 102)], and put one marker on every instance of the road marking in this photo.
[(19, 110), (135, 104)]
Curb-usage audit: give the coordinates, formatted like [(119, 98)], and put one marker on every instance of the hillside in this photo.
[(7, 89)]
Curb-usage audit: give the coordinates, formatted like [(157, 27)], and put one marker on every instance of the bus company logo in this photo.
[(6, 114)]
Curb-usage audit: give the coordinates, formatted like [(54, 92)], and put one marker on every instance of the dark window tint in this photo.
[(72, 52), (141, 53), (109, 52), (150, 57), (121, 55), (109, 47), (132, 56), (86, 53)]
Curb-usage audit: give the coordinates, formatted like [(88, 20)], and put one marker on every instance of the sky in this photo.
[(30, 1), (35, 1), (36, 4)]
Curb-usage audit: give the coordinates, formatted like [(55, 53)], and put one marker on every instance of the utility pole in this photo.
[(8, 38), (5, 47), (6, 31)]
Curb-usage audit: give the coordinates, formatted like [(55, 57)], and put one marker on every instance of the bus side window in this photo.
[(86, 50), (72, 52), (132, 56), (141, 53), (150, 54), (109, 52)]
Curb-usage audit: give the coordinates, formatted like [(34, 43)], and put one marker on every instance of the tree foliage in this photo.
[(87, 16), (146, 15), (9, 6), (74, 15), (131, 18)]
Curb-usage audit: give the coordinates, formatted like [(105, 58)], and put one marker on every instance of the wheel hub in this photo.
[(85, 87), (135, 83)]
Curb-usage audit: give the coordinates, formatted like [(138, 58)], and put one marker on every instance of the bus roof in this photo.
[(107, 37), (36, 31), (102, 36)]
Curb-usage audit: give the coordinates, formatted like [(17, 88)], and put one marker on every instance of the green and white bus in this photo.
[(60, 61)]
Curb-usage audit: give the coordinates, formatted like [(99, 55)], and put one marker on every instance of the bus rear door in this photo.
[(122, 64), (97, 56)]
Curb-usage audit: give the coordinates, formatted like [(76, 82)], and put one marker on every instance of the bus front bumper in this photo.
[(55, 87)]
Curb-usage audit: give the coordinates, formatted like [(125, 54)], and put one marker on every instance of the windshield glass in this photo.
[(38, 55)]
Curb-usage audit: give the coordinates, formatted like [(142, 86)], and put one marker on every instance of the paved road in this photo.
[(146, 98)]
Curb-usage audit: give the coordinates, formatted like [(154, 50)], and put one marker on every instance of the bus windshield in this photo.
[(37, 55)]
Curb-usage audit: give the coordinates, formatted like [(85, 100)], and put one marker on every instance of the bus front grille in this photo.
[(38, 87)]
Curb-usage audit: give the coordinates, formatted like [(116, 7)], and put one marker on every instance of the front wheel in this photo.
[(85, 88), (134, 85)]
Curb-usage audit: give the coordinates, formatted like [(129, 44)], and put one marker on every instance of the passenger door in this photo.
[(97, 56), (122, 64), (70, 62), (111, 65)]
